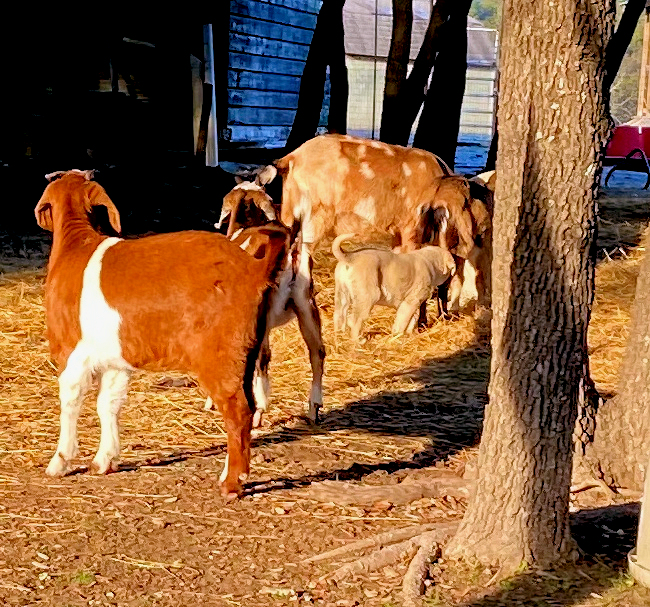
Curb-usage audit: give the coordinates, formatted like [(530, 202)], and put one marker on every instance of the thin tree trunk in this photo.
[(412, 93), (621, 40), (619, 452), (312, 83), (590, 401), (396, 67), (338, 116), (553, 126), (439, 123)]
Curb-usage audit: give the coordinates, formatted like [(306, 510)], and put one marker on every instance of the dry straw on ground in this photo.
[(446, 364)]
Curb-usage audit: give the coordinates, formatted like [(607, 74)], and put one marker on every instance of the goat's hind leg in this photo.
[(310, 326), (261, 383), (74, 382), (113, 387)]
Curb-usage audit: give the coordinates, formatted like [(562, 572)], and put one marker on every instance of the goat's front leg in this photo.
[(112, 394), (238, 420), (310, 327), (261, 383), (74, 382)]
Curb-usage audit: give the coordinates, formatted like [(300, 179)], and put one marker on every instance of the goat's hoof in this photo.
[(104, 466), (209, 404), (231, 492), (312, 413), (58, 466)]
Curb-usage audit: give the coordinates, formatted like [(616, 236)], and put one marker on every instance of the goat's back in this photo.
[(178, 294)]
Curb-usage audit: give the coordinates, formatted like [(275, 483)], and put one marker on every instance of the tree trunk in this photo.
[(338, 116), (439, 123), (553, 126), (621, 40), (396, 67), (619, 453), (412, 93), (312, 82)]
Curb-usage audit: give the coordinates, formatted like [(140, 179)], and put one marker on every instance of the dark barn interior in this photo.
[(116, 96)]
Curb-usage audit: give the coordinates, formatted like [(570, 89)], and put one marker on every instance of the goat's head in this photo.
[(74, 192), (247, 204), (451, 192)]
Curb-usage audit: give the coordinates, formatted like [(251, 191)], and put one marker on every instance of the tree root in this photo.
[(390, 537), (423, 541), (413, 584), (375, 560)]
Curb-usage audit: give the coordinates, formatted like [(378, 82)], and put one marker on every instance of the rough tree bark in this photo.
[(411, 94), (553, 126), (326, 49), (439, 123), (396, 66), (619, 452)]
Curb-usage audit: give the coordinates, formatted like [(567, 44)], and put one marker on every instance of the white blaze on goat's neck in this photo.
[(100, 324), (406, 169)]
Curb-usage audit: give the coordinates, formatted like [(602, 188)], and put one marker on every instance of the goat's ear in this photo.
[(97, 196), (53, 176), (233, 200), (43, 213), (266, 175)]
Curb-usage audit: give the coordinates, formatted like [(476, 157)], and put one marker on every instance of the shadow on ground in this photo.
[(604, 536), (448, 413)]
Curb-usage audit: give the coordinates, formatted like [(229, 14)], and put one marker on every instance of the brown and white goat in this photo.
[(292, 297), (169, 301)]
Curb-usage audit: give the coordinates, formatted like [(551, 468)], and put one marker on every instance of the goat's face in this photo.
[(74, 191), (247, 204)]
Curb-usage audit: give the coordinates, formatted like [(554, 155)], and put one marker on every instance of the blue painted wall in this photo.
[(268, 46)]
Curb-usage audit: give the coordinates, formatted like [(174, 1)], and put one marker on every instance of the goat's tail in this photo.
[(336, 247)]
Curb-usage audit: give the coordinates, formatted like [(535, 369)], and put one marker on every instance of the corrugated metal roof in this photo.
[(360, 29)]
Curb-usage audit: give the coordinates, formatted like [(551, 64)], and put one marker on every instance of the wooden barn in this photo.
[(126, 92)]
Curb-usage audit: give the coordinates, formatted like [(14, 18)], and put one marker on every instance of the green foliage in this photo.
[(488, 12), (83, 577), (622, 581)]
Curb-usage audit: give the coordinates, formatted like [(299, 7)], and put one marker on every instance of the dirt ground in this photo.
[(397, 412)]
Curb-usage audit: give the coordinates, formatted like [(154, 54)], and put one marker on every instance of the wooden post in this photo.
[(643, 104)]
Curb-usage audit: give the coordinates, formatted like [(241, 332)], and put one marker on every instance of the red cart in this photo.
[(629, 147)]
